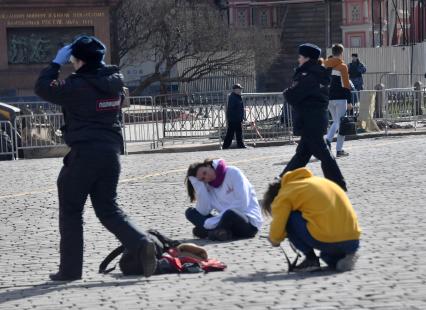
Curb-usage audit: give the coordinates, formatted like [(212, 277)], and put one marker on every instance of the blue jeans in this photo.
[(331, 253), (232, 220), (337, 110)]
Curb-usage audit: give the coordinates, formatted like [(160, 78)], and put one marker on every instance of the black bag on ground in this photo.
[(129, 263), (347, 126)]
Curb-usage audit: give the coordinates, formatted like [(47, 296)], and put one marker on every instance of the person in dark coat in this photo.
[(356, 70), (308, 96), (91, 101), (235, 118)]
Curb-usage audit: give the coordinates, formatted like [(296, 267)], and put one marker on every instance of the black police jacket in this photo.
[(235, 110), (308, 97), (91, 103)]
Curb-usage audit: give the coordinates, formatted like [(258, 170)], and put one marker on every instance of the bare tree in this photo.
[(172, 32)]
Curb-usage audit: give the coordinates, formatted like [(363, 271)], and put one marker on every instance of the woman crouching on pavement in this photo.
[(214, 186), (313, 213)]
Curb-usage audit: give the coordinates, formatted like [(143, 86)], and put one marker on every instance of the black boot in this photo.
[(311, 263), (147, 256), (220, 234), (59, 276), (200, 232)]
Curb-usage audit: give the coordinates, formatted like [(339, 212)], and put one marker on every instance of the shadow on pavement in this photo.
[(264, 276), (204, 242), (48, 287)]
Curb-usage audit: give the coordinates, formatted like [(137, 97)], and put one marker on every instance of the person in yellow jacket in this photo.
[(313, 213)]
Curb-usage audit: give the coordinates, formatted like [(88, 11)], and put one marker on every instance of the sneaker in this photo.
[(220, 234), (199, 232), (309, 264), (342, 153), (147, 255), (59, 276), (347, 263)]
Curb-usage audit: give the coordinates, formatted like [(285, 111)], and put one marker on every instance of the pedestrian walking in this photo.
[(235, 118), (309, 98), (340, 96), (91, 100), (356, 70), (313, 213), (215, 186)]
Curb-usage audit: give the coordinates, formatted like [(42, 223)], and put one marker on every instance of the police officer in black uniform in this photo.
[(308, 96), (235, 118), (91, 102)]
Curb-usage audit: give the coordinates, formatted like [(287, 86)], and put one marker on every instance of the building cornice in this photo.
[(12, 4)]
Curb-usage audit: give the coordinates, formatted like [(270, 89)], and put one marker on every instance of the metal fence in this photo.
[(385, 109), (268, 117), (140, 121), (155, 121), (35, 131), (7, 143), (38, 107)]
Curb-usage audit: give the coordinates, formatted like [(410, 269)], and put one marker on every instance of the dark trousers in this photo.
[(233, 128), (316, 146), (94, 173), (331, 253), (232, 220)]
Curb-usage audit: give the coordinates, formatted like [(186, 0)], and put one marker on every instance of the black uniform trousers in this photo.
[(315, 145), (94, 173), (234, 128)]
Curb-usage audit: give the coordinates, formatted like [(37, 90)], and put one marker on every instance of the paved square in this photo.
[(387, 185)]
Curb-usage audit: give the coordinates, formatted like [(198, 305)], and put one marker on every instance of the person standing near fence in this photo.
[(356, 70), (340, 96), (308, 96), (235, 118), (91, 102)]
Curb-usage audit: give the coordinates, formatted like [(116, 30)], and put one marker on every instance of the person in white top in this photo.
[(225, 191)]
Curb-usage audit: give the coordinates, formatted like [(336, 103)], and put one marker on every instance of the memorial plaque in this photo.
[(39, 45), (32, 31)]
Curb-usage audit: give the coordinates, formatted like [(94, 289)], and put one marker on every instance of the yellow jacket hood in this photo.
[(298, 174)]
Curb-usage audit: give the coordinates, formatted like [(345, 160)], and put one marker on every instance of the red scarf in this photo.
[(220, 174)]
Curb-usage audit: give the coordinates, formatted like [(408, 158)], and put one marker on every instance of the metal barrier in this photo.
[(268, 116), (38, 107), (7, 141), (182, 117), (193, 121), (191, 116), (140, 121), (38, 131), (385, 109)]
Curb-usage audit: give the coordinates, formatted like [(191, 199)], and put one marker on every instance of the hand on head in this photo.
[(63, 56)]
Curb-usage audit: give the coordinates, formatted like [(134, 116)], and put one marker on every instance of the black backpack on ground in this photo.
[(129, 262)]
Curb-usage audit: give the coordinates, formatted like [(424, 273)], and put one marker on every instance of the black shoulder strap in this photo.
[(111, 256), (167, 242)]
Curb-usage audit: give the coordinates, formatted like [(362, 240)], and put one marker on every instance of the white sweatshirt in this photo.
[(236, 192)]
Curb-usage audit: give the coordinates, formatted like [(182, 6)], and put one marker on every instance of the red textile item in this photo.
[(207, 265)]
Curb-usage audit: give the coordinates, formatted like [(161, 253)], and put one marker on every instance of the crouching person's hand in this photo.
[(274, 244)]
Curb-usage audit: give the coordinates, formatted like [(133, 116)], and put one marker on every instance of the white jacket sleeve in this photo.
[(212, 222), (203, 204), (241, 190)]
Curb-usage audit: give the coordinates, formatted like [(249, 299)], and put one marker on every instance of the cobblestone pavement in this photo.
[(386, 179)]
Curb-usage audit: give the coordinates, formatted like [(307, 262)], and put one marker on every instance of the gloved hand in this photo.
[(63, 55)]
